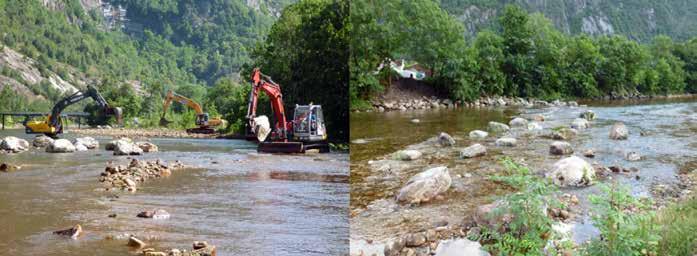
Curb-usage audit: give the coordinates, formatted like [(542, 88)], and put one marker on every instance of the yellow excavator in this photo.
[(204, 122)]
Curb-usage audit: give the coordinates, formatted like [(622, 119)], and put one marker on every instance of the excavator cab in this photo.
[(202, 119), (308, 123)]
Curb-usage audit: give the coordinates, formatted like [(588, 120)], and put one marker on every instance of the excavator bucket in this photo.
[(281, 147)]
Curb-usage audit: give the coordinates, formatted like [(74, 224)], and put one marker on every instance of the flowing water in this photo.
[(242, 202), (661, 131)]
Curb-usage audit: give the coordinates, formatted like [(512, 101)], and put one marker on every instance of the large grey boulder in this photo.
[(580, 124), (124, 147), (572, 171), (407, 155), (619, 131), (518, 122), (61, 146), (473, 151), (478, 134), (445, 140), (42, 141), (14, 144), (497, 127), (88, 142), (112, 144), (560, 148), (425, 186)]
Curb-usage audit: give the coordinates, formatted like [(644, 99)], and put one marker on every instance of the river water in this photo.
[(661, 131), (242, 202)]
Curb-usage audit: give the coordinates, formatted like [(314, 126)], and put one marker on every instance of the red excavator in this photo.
[(306, 130)]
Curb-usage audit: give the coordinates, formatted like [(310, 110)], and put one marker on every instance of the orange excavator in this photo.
[(204, 122), (306, 131)]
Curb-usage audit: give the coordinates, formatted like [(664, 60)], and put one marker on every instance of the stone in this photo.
[(407, 155), (560, 148), (473, 151), (13, 144), (88, 142), (5, 167), (416, 121), (415, 240), (619, 131), (588, 115), (73, 232), (538, 118), (564, 133), (497, 127), (112, 144), (135, 242), (425, 186), (445, 140), (123, 147), (506, 142), (61, 146), (534, 126), (42, 141), (80, 147), (147, 146), (580, 124), (200, 244), (478, 134), (633, 156), (572, 171), (460, 247), (485, 216), (589, 153), (518, 122)]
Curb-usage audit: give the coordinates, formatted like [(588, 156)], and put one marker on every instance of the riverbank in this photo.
[(140, 133), (377, 176)]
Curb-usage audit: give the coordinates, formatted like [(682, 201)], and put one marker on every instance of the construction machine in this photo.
[(306, 130), (53, 124), (204, 122)]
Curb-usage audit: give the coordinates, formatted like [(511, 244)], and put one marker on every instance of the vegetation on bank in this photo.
[(525, 57), (627, 225), (207, 62)]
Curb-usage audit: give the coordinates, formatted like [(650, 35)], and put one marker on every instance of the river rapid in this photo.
[(242, 202)]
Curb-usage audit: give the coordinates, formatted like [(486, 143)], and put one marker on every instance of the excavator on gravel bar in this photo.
[(204, 122), (306, 131), (53, 124)]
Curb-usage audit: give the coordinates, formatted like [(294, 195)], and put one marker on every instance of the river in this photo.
[(228, 198), (661, 131)]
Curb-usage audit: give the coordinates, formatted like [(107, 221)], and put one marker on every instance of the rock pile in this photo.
[(127, 177), (435, 103)]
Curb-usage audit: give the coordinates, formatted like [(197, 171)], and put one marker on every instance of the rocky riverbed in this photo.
[(227, 196), (139, 132), (644, 146)]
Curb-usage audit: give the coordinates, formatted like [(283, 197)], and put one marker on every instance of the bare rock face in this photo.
[(560, 148), (88, 142), (425, 186), (619, 131), (572, 171), (475, 150), (147, 146), (407, 155), (61, 146), (497, 127), (73, 232), (445, 140), (42, 141), (13, 144)]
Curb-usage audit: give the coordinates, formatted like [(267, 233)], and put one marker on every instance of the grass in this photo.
[(678, 228)]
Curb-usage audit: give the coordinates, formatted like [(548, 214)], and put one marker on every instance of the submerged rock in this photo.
[(478, 134), (506, 142), (445, 140), (497, 127), (619, 131), (425, 186), (61, 146), (572, 171), (473, 151), (13, 144), (518, 122), (42, 141), (560, 148), (407, 155), (73, 232)]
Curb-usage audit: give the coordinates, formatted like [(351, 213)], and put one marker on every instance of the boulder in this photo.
[(80, 147), (14, 144), (506, 142), (572, 171), (112, 144), (497, 127), (72, 232), (560, 148), (473, 151), (534, 126), (564, 133), (425, 186), (124, 147), (407, 155), (147, 146), (580, 124), (518, 122), (588, 115), (88, 142), (135, 242), (478, 134), (61, 146), (42, 141), (445, 140), (619, 131)]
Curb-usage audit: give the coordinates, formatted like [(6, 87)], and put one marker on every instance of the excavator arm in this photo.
[(202, 118), (261, 82)]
